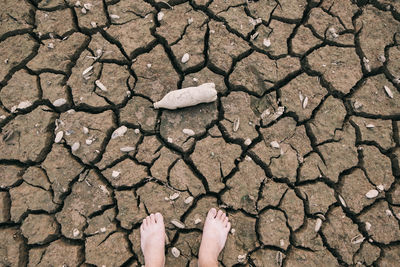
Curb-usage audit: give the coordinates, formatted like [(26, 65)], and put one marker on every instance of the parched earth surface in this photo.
[(301, 148)]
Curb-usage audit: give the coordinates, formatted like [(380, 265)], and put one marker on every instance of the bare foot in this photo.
[(152, 240), (215, 232)]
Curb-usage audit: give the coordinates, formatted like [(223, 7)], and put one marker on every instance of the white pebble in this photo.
[(115, 174), (267, 42), (247, 142), (75, 232), (389, 213), (275, 144), (370, 126), (367, 226), (114, 16), (88, 6), (372, 193), (83, 10), (87, 70), (59, 102), (169, 139), (197, 221), (93, 24), (160, 16), (137, 131), (127, 149), (388, 91), (175, 252), (174, 196), (233, 230), (59, 136), (85, 130), (103, 229), (89, 141), (185, 58), (178, 224), (101, 86), (148, 65), (119, 132), (24, 104), (189, 200), (50, 45), (318, 224), (381, 187), (305, 102), (189, 132), (75, 146)]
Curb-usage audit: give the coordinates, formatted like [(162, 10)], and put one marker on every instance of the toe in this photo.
[(152, 218), (147, 221), (226, 220), (223, 216), (219, 214), (228, 226), (211, 214), (144, 224), (159, 218)]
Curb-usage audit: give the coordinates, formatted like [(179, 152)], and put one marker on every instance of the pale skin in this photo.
[(215, 232)]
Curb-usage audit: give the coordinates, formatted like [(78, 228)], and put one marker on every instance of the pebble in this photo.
[(114, 16), (103, 229), (197, 221), (372, 193), (381, 187), (367, 226), (267, 42), (189, 132), (275, 144), (241, 258), (89, 141), (342, 201), (185, 58), (75, 146), (101, 86), (178, 224), (137, 131), (59, 102), (247, 142), (85, 130), (175, 252), (24, 104), (233, 230), (115, 174), (189, 200), (75, 232), (160, 16), (119, 132), (388, 91), (169, 139), (370, 126), (236, 124), (389, 213), (127, 149), (318, 225), (59, 136), (174, 196), (93, 24), (87, 70), (305, 102)]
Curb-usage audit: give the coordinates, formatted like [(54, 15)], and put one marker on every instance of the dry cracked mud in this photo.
[(301, 147)]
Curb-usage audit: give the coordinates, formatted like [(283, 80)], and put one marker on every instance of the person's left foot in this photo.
[(152, 240)]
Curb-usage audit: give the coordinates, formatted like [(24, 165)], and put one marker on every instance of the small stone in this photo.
[(370, 126), (148, 65), (83, 10), (178, 224), (24, 104), (185, 58), (89, 141), (115, 174), (87, 71), (127, 149), (174, 196), (59, 136), (160, 16), (367, 226), (372, 193), (233, 230), (75, 232), (197, 221), (169, 139), (247, 142), (93, 24), (101, 86), (59, 102), (381, 187), (357, 105), (267, 42), (254, 36), (137, 131), (175, 252), (85, 130), (241, 258), (388, 91), (75, 146), (318, 225), (119, 132), (189, 200), (114, 16), (103, 229), (382, 58), (190, 20), (275, 144), (88, 6), (189, 132), (305, 102), (236, 124), (389, 213), (50, 45)]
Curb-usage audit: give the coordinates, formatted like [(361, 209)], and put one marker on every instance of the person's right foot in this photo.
[(215, 232)]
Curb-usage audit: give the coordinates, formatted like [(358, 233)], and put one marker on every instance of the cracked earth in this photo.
[(301, 148)]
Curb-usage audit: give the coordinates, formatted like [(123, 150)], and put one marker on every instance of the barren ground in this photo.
[(301, 148)]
